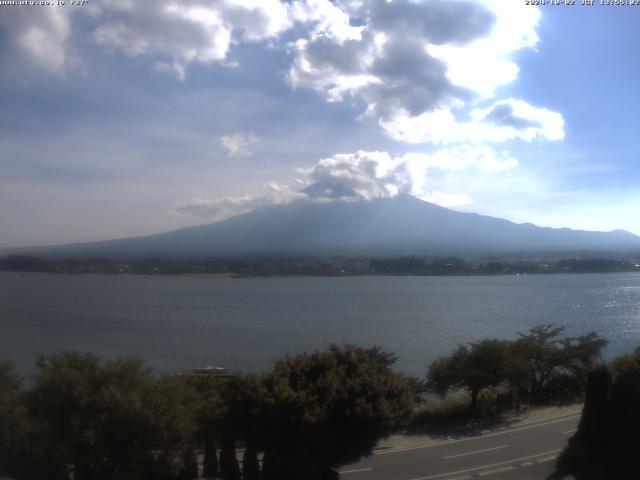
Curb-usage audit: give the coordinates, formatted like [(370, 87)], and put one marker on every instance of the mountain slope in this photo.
[(399, 225)]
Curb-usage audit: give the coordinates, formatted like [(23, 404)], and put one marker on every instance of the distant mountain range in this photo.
[(334, 222)]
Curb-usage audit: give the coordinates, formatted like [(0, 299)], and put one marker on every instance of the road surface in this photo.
[(525, 451)]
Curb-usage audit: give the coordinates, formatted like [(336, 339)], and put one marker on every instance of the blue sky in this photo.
[(125, 118)]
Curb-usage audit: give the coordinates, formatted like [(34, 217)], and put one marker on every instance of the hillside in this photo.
[(386, 226)]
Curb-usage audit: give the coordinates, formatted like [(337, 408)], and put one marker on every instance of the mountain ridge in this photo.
[(397, 225)]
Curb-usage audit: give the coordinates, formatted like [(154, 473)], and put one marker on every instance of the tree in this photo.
[(545, 358), (24, 263), (537, 363), (325, 409), (111, 419), (244, 397), (172, 424), (583, 353), (605, 444), (209, 411), (473, 367), (14, 424), (541, 350)]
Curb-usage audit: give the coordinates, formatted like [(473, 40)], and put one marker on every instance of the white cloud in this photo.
[(176, 68), (369, 174), (183, 32), (221, 208), (366, 175), (257, 20), (461, 157), (385, 59), (418, 65), (504, 120), (238, 144), (43, 35), (484, 64), (189, 31), (405, 54), (426, 69), (327, 18), (378, 174), (513, 118)]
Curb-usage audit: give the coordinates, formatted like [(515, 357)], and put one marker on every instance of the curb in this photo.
[(519, 423)]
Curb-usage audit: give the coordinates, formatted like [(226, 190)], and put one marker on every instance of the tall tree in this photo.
[(546, 356), (473, 367), (210, 412), (244, 398), (325, 409), (14, 423), (605, 444)]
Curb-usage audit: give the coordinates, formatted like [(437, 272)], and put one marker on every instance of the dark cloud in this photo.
[(385, 60), (347, 58), (503, 114), (436, 21), (329, 190), (412, 79)]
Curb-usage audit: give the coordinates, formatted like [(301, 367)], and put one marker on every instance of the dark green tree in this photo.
[(111, 419), (210, 413), (14, 423), (173, 424), (473, 367), (605, 444), (326, 409), (244, 398)]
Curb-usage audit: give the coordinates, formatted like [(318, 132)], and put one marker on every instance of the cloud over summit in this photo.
[(364, 176)]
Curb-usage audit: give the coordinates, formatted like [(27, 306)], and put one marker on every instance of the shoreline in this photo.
[(316, 275)]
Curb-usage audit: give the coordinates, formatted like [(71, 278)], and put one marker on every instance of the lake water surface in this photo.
[(181, 322)]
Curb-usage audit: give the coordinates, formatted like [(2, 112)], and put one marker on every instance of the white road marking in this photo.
[(482, 467), (546, 459), (502, 432), (342, 472), (497, 470), (477, 451), (407, 446), (570, 431)]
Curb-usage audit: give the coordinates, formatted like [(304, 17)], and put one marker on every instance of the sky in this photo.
[(129, 117)]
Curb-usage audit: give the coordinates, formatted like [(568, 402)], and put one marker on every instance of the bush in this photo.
[(455, 407)]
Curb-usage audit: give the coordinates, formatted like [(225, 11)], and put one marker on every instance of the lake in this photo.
[(180, 322)]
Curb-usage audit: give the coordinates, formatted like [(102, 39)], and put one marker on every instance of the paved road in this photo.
[(526, 451)]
